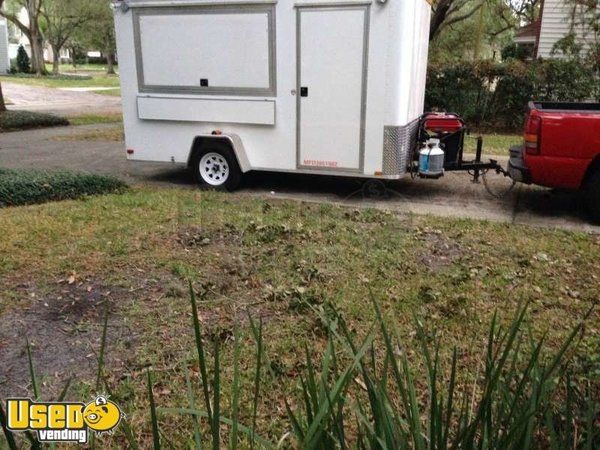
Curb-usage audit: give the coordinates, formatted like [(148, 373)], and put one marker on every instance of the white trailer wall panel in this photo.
[(190, 67)]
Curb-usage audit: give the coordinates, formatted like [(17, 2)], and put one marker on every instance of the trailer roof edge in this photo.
[(167, 3), (312, 3)]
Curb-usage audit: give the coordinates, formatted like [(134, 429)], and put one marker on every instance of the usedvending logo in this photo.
[(63, 421)]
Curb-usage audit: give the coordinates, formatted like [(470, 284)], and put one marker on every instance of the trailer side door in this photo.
[(332, 47)]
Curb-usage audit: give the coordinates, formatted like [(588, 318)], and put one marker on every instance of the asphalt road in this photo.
[(454, 195)]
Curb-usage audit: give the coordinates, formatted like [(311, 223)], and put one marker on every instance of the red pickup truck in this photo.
[(561, 150)]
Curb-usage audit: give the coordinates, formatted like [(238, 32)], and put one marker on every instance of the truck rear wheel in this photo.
[(592, 196), (216, 167)]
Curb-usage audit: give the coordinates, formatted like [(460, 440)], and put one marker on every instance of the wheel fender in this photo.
[(231, 139)]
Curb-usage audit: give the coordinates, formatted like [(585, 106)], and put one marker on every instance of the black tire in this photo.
[(592, 196), (216, 179)]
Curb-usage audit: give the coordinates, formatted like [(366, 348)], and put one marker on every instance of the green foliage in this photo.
[(474, 36), (490, 94), (516, 51), (49, 77), (23, 63), (22, 120), (23, 187), (352, 399)]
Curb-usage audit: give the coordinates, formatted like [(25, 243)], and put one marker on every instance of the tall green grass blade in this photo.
[(192, 405), (200, 350), (222, 419), (450, 401), (590, 416), (124, 424), (64, 391), (257, 332), (558, 356), (10, 439), (495, 362), (36, 393), (60, 398), (215, 426), (307, 400), (314, 431), (300, 435), (403, 383), (153, 417), (235, 387)]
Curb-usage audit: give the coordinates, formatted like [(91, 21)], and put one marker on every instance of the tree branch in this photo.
[(463, 16), (14, 19)]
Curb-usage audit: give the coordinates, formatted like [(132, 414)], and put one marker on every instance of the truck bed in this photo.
[(566, 107)]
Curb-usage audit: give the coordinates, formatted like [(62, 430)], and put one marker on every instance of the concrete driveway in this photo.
[(454, 195), (65, 102)]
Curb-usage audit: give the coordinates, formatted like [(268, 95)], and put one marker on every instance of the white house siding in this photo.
[(4, 57), (556, 24)]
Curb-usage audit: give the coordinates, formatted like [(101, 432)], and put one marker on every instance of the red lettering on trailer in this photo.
[(317, 163)]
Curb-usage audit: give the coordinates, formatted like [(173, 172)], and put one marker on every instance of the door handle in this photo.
[(303, 91)]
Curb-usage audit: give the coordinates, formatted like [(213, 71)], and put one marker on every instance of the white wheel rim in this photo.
[(214, 169)]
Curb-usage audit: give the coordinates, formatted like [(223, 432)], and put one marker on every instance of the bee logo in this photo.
[(102, 415)]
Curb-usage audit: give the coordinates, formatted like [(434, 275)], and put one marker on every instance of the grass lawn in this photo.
[(112, 134), (286, 262), (493, 144), (89, 119), (96, 80), (80, 68)]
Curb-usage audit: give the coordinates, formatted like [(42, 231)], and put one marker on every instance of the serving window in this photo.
[(224, 50)]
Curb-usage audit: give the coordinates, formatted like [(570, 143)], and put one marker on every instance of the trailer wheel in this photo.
[(216, 167), (592, 196)]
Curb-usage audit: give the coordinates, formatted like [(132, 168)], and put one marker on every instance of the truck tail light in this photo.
[(533, 135)]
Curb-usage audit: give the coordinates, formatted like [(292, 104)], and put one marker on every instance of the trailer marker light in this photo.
[(130, 151)]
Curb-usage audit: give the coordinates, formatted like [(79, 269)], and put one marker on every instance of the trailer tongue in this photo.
[(439, 148)]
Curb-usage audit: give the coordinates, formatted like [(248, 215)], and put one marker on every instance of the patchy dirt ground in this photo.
[(288, 264), (63, 325)]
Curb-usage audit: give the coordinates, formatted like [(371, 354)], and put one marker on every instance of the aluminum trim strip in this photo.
[(175, 3), (398, 142)]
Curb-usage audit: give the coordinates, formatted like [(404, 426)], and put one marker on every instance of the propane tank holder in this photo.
[(450, 129)]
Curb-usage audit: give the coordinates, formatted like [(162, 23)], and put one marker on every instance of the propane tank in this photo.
[(431, 159)]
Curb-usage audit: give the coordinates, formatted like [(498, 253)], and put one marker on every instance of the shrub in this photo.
[(354, 400), (60, 76), (23, 63), (21, 120), (26, 186), (489, 94), (516, 51)]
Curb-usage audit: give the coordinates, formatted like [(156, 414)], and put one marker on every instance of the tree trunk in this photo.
[(55, 59), (37, 51), (438, 17), (36, 40), (2, 104), (110, 62)]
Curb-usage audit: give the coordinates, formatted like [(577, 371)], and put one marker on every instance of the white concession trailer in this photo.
[(311, 86)]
